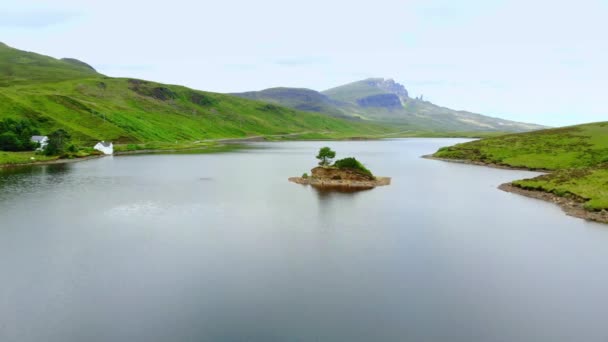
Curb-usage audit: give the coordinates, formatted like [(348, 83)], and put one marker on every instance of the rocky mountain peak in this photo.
[(389, 85)]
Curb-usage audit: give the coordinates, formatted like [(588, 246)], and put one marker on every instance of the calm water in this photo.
[(222, 248)]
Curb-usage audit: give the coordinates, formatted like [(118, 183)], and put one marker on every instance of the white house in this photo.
[(105, 147), (42, 140)]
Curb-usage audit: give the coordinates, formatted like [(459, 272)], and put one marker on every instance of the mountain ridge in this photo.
[(384, 100)]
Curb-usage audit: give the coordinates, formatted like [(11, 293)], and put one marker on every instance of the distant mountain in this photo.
[(300, 99), (71, 95), (385, 100)]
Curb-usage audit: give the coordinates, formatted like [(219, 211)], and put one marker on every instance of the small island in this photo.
[(347, 173)]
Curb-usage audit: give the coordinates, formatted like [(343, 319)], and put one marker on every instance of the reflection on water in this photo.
[(220, 247), (337, 191), (49, 169), (26, 179)]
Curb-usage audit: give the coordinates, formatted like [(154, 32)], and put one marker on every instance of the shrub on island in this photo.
[(353, 164)]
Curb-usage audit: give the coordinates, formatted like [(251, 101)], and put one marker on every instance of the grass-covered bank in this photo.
[(576, 157), (10, 159), (552, 149), (16, 158), (587, 185)]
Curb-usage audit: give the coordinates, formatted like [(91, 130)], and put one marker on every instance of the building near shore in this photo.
[(105, 147), (41, 140)]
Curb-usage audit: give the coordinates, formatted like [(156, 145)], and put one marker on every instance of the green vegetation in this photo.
[(16, 135), (21, 67), (352, 164), (578, 155), (325, 156), (12, 158), (553, 149), (589, 185), (58, 143), (133, 111), (305, 175), (68, 94), (354, 91), (297, 98), (195, 147)]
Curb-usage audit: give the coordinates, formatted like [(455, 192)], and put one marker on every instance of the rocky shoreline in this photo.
[(570, 206), (345, 179), (342, 183), (478, 163)]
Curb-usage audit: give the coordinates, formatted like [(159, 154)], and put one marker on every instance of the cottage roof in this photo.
[(39, 138), (105, 144)]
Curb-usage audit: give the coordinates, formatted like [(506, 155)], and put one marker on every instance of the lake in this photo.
[(220, 247)]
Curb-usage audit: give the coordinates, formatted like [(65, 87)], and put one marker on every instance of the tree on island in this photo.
[(325, 156)]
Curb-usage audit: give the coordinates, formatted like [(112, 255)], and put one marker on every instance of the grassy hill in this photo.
[(70, 94), (577, 155), (351, 92), (300, 99), (21, 67), (383, 100)]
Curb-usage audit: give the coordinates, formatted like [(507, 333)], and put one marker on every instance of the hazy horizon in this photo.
[(543, 62)]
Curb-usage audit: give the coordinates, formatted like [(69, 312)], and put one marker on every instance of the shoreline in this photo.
[(492, 165), (52, 162), (342, 183), (211, 149), (223, 142), (570, 206)]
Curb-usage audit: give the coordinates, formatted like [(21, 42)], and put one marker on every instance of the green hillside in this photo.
[(300, 99), (71, 95), (351, 92), (578, 155), (21, 67), (384, 100)]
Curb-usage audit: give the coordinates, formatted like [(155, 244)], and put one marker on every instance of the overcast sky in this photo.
[(540, 61)]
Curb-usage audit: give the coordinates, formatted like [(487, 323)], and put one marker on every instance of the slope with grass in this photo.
[(22, 67), (71, 95), (300, 99), (576, 156)]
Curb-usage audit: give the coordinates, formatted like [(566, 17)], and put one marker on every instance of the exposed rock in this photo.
[(337, 174), (144, 88), (390, 101), (163, 94), (136, 82), (330, 177), (200, 99), (570, 205), (389, 85)]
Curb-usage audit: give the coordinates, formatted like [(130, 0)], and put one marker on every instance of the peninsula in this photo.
[(574, 158)]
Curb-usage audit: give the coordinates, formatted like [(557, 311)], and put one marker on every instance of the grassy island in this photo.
[(347, 173)]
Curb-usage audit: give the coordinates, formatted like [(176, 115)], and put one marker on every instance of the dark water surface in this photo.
[(222, 248)]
